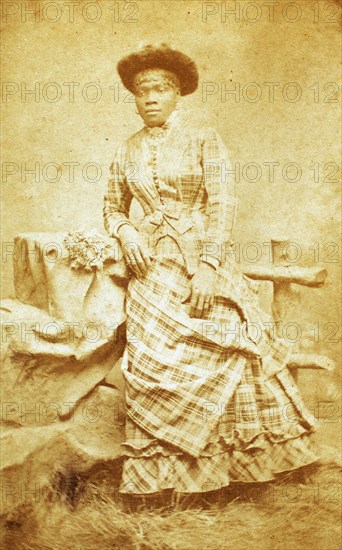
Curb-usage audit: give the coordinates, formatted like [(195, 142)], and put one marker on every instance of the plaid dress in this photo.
[(209, 401)]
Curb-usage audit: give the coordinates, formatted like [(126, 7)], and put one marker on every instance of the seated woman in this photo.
[(209, 399)]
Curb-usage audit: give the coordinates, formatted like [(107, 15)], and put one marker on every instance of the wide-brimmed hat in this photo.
[(161, 56)]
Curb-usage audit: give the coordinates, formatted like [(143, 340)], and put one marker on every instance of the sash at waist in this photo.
[(185, 224), (179, 217)]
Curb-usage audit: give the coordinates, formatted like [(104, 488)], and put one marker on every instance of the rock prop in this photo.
[(62, 339)]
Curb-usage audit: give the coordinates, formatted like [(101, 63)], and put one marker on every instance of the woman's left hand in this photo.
[(202, 290)]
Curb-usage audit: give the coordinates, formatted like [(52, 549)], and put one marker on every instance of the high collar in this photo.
[(157, 131)]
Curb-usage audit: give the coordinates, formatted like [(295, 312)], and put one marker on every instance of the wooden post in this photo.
[(285, 296)]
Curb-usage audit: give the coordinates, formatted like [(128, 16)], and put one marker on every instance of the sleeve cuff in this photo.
[(116, 227), (211, 260)]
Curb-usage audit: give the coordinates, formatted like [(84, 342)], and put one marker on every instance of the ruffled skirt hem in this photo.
[(163, 469)]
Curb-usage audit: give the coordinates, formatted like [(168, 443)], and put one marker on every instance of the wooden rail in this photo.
[(306, 276)]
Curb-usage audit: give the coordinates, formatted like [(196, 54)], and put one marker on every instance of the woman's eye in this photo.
[(158, 90)]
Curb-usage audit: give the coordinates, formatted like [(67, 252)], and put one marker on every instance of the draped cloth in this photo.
[(209, 401)]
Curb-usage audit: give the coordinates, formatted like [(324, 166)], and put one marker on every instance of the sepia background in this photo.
[(282, 61)]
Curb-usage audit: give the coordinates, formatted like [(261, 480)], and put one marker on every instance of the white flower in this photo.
[(88, 249)]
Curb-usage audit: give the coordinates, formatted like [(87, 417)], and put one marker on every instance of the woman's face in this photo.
[(155, 97)]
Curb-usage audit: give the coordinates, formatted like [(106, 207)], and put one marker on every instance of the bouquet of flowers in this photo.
[(89, 250)]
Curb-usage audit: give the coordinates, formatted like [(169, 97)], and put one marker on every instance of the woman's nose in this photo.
[(151, 98)]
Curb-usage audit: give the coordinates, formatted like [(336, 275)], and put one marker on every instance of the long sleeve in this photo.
[(221, 202), (118, 199)]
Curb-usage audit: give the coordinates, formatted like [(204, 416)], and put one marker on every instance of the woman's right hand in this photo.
[(135, 252)]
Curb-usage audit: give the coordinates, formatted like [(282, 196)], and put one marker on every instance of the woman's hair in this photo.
[(168, 76)]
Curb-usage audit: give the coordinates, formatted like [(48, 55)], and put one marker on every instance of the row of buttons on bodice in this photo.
[(156, 136)]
